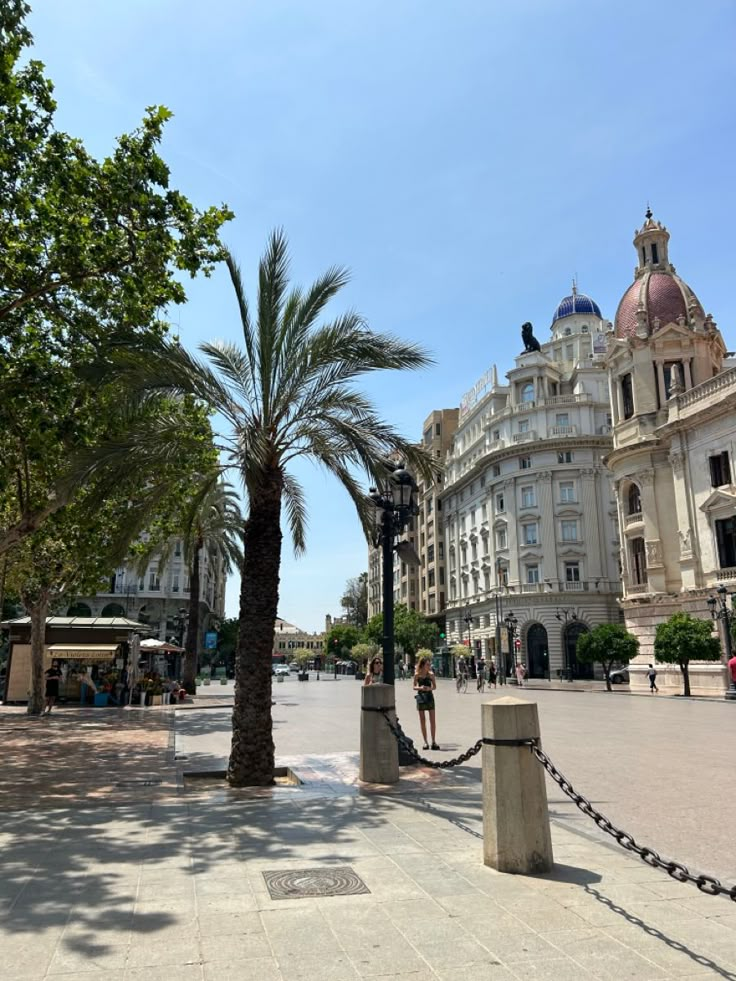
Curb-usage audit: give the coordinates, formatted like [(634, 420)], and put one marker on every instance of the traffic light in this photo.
[(442, 634)]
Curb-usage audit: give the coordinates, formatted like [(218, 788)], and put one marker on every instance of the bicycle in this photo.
[(462, 683)]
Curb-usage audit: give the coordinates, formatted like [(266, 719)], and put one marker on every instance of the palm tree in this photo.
[(212, 528), (288, 393)]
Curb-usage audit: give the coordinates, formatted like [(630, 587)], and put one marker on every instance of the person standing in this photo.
[(52, 687), (374, 674), (424, 686), (520, 674), (492, 677), (652, 675)]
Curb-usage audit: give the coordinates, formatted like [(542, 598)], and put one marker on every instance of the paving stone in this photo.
[(257, 969)]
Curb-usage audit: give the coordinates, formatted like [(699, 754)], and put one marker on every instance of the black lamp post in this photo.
[(564, 614), (468, 618), (719, 611), (511, 623), (395, 504)]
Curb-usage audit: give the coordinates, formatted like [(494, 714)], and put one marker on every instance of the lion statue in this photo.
[(527, 336)]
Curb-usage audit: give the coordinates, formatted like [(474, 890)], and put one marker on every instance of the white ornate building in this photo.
[(673, 394), (530, 517)]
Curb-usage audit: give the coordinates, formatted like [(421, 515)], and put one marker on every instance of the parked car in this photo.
[(294, 667), (281, 669), (620, 676)]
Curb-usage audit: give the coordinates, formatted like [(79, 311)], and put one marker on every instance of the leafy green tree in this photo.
[(607, 644), (362, 653), (412, 630), (289, 394), (227, 641), (684, 638), (355, 600), (341, 639), (91, 253), (302, 656)]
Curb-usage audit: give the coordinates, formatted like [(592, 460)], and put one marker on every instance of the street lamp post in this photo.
[(395, 504), (564, 614), (500, 656), (719, 611), (511, 622), (468, 618)]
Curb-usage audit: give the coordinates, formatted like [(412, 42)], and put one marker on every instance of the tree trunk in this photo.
[(37, 611), (685, 668), (252, 753), (189, 667), (607, 674)]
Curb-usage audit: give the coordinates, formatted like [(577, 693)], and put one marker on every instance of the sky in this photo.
[(464, 160)]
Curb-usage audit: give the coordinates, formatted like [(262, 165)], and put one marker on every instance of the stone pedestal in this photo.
[(516, 835), (379, 750)]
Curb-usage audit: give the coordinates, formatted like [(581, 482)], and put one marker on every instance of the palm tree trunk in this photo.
[(252, 753), (37, 610), (189, 668)]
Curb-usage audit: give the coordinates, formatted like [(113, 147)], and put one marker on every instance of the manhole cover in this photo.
[(138, 783), (308, 883)]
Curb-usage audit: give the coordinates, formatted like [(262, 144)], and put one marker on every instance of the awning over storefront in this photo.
[(84, 652)]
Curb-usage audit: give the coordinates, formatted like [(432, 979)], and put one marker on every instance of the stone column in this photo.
[(689, 565), (652, 542), (591, 528), (509, 491), (547, 539), (660, 384), (379, 750), (516, 833)]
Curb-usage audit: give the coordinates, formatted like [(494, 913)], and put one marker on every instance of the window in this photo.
[(525, 463), (437, 429), (523, 425), (428, 435), (177, 549), (430, 553), (567, 492), (572, 572), (668, 373), (462, 524), (568, 331), (474, 551), (496, 435), (655, 255), (441, 547), (562, 419), (726, 541), (720, 469), (501, 538), (529, 533), (486, 580), (439, 503), (627, 396), (484, 512), (430, 506), (528, 499), (532, 573), (503, 575), (638, 562), (496, 470), (569, 531), (569, 352), (442, 576), (430, 578), (527, 392), (175, 584), (634, 500), (500, 503), (565, 457)]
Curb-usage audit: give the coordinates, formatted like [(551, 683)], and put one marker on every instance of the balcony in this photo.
[(633, 519), (725, 574), (532, 587), (527, 437), (637, 589), (564, 430)]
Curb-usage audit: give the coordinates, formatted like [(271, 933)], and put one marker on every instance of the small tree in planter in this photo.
[(302, 656), (607, 644), (682, 639), (362, 654)]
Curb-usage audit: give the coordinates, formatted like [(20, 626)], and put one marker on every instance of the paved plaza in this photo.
[(115, 865)]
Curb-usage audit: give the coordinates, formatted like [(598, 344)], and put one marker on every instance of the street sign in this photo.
[(517, 644), (210, 640)]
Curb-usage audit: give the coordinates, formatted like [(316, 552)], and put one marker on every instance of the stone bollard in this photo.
[(379, 750), (516, 835)]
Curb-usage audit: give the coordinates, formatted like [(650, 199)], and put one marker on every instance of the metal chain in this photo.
[(706, 883), (435, 764)]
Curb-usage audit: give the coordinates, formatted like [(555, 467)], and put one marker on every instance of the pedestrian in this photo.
[(652, 675), (492, 676), (424, 686), (520, 674), (402, 671), (52, 687), (374, 674)]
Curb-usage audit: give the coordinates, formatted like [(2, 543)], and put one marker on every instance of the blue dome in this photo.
[(577, 303)]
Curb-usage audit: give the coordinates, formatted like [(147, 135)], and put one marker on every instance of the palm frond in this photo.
[(251, 345), (296, 512), (273, 278)]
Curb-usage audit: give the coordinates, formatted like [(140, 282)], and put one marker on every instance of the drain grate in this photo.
[(310, 883), (138, 783)]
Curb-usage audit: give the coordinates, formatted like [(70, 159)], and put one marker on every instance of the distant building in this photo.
[(288, 637), (673, 393), (158, 595)]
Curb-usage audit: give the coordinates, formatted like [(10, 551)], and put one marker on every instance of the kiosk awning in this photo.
[(84, 652)]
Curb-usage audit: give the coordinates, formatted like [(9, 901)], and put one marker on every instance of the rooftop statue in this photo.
[(527, 336)]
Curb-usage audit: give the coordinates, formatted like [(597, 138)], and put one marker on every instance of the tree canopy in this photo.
[(684, 638), (412, 630), (607, 644)]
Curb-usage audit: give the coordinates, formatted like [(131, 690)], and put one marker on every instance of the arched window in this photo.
[(537, 651), (79, 610), (634, 500), (113, 610), (527, 392), (571, 635)]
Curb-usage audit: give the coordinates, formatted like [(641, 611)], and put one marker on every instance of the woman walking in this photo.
[(374, 674), (424, 686), (52, 687)]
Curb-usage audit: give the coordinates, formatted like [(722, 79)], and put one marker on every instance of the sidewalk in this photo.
[(166, 883)]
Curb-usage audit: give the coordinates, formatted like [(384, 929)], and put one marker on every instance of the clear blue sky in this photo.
[(465, 160)]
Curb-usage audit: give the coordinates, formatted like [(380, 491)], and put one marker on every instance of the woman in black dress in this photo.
[(424, 686), (52, 686)]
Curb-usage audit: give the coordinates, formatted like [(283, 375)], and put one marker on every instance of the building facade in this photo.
[(673, 398), (288, 638), (158, 596), (530, 518)]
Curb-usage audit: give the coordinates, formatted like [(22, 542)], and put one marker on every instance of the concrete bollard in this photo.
[(516, 835), (379, 750)]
